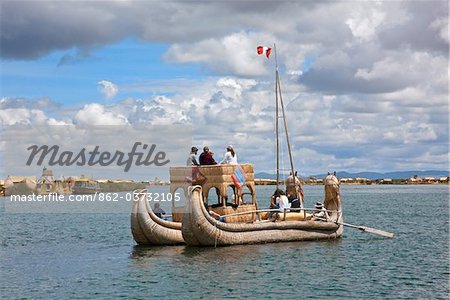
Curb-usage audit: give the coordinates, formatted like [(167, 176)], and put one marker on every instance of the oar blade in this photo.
[(377, 231)]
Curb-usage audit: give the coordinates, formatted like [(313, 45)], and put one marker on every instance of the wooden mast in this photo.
[(285, 128), (278, 95), (276, 115)]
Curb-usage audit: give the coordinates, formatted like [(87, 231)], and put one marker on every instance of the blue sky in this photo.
[(71, 79), (366, 82)]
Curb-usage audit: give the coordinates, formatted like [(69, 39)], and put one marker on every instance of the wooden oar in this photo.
[(370, 230), (365, 229)]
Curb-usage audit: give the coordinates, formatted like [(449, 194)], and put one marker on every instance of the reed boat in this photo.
[(149, 229), (240, 221), (85, 185), (245, 224)]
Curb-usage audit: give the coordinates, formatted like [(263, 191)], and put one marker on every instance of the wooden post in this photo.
[(276, 114)]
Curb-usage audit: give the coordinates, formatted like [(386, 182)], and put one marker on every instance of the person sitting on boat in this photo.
[(278, 201), (191, 161), (282, 200), (206, 158), (216, 216), (273, 203), (294, 201), (320, 213), (158, 211), (230, 157)]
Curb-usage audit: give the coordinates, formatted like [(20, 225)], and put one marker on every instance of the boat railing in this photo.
[(284, 211)]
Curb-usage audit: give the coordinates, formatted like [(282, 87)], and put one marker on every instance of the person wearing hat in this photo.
[(320, 212), (191, 161), (230, 157), (206, 158)]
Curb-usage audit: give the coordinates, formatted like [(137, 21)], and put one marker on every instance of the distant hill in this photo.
[(371, 175), (264, 175)]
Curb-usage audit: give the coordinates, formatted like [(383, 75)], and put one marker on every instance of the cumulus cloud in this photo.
[(234, 53), (97, 114), (365, 83), (12, 116), (363, 24), (20, 102), (441, 26), (108, 88), (411, 132)]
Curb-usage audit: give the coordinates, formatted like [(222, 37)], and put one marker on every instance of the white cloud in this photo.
[(234, 53), (411, 132), (52, 121), (97, 114), (364, 22), (22, 116), (441, 26), (234, 87), (295, 72), (108, 88)]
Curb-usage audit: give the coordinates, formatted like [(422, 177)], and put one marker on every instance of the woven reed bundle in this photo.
[(332, 199), (215, 176), (199, 228), (215, 173), (149, 229), (228, 210)]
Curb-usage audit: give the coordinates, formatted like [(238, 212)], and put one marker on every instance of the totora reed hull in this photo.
[(148, 229), (200, 229)]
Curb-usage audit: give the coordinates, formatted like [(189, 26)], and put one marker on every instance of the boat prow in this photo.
[(147, 228), (200, 229)]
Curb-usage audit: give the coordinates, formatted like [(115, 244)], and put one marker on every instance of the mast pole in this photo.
[(278, 90), (285, 128), (276, 114)]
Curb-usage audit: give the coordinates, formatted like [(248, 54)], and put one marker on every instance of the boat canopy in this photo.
[(219, 177)]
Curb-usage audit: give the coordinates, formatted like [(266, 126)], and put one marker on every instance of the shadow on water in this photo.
[(230, 254), (144, 251)]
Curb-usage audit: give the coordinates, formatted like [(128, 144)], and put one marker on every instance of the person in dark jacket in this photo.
[(295, 203), (206, 158)]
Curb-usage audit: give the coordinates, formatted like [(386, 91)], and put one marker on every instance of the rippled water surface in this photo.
[(94, 256)]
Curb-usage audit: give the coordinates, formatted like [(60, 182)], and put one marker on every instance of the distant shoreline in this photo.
[(364, 181)]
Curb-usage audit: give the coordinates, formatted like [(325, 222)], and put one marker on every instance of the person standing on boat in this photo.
[(191, 161), (230, 157), (206, 158), (294, 187)]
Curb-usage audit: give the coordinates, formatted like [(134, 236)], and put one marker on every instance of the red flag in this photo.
[(261, 50)]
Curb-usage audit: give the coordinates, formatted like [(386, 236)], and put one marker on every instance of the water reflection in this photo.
[(145, 255)]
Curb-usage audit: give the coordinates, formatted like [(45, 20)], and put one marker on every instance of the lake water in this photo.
[(92, 255)]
